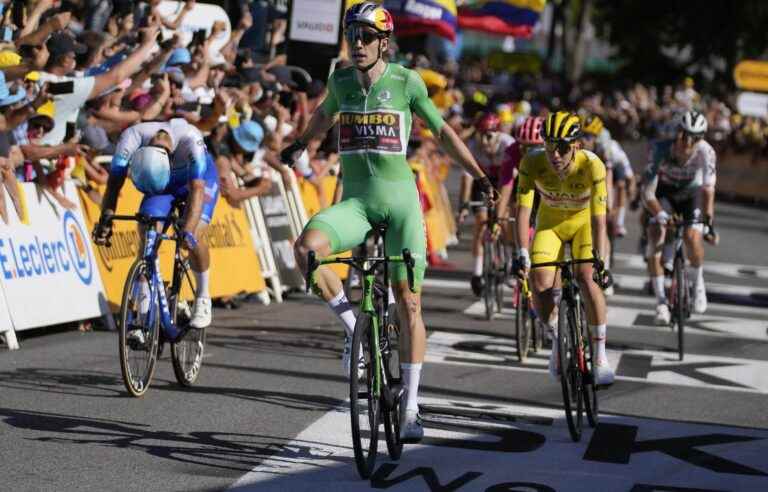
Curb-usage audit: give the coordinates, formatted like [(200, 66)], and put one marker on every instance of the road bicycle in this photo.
[(681, 295), (375, 388), (495, 262), (575, 349), (528, 336), (152, 314)]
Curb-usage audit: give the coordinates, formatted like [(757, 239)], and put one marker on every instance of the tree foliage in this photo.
[(661, 41)]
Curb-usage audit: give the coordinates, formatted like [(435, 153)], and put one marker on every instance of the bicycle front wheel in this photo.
[(489, 279), (500, 269), (681, 298), (589, 380), (570, 374), (364, 402), (523, 332), (391, 361), (187, 351), (139, 330)]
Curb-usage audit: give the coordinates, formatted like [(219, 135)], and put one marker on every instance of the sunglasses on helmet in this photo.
[(366, 36)]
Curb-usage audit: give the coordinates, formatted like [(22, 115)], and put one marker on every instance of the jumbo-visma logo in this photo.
[(61, 254)]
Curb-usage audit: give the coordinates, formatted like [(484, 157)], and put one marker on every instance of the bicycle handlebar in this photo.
[(356, 262)]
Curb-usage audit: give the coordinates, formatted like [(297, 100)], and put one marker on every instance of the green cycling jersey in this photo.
[(379, 186)]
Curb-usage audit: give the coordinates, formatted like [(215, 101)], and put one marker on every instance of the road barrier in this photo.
[(48, 269)]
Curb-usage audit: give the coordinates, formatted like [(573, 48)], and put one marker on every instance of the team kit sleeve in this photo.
[(421, 104), (130, 141), (599, 190), (525, 184), (330, 104), (710, 166), (197, 160)]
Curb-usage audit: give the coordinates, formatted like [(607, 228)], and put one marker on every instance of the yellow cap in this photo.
[(48, 109), (9, 59), (33, 76), (432, 78), (688, 81)]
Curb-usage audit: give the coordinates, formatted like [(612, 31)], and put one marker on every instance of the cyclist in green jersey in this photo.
[(373, 102)]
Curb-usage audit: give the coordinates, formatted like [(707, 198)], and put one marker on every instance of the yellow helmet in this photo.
[(592, 124), (562, 126)]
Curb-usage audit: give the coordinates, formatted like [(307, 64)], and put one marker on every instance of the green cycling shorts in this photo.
[(373, 201)]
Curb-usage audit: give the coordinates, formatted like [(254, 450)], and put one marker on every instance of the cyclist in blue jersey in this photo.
[(168, 161)]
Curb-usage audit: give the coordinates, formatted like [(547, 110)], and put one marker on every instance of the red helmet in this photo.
[(529, 132), (489, 122)]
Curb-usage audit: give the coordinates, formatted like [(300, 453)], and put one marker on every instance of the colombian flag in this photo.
[(502, 17), (423, 17)]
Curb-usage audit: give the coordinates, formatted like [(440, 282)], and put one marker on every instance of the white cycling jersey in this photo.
[(663, 170), (617, 159)]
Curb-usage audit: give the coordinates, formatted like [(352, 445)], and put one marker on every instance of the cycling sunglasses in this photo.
[(562, 146), (367, 36)]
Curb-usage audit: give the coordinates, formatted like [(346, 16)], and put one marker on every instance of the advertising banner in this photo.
[(315, 21), (47, 266), (277, 217), (234, 266)]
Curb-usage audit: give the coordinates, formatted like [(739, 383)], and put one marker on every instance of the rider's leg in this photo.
[(656, 235), (413, 344), (325, 282), (481, 216), (695, 250), (621, 206)]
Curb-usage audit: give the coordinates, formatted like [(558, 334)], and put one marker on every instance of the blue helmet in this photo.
[(150, 169)]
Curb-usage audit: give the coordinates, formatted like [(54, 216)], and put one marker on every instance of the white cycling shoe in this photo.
[(346, 359), (411, 428), (201, 313), (604, 373), (700, 300), (663, 315)]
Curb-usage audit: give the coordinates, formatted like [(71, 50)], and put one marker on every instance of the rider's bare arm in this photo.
[(522, 226), (457, 149), (318, 125)]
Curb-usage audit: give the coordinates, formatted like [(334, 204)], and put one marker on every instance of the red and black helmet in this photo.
[(488, 122), (529, 132)]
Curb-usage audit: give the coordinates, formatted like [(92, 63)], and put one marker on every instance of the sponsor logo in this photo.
[(384, 96), (62, 254), (375, 131)]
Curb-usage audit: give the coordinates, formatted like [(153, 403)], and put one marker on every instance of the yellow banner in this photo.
[(751, 75), (234, 265)]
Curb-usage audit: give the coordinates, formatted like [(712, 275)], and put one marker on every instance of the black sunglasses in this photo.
[(365, 35), (561, 146)]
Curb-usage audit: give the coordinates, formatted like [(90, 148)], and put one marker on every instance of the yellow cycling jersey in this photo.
[(582, 188)]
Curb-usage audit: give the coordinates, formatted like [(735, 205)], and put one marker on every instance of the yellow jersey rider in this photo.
[(571, 183)]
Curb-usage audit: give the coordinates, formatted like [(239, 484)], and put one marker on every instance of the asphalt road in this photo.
[(268, 412)]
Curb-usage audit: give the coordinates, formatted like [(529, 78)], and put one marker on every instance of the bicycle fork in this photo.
[(369, 308)]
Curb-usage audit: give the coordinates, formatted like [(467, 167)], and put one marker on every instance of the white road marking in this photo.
[(646, 366), (476, 446), (734, 270)]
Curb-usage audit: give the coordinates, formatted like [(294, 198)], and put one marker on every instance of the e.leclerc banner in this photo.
[(47, 266)]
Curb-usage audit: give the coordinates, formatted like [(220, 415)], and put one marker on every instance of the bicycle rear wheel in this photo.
[(139, 330), (680, 299), (489, 279), (570, 375), (365, 409), (523, 333), (186, 352), (390, 357), (589, 380)]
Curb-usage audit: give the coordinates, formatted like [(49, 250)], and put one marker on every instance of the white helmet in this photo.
[(694, 123), (150, 169)]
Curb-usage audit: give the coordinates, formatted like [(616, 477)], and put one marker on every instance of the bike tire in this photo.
[(681, 300), (137, 381), (523, 332), (489, 279), (391, 363), (501, 274), (365, 408), (589, 381), (187, 352), (569, 371)]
